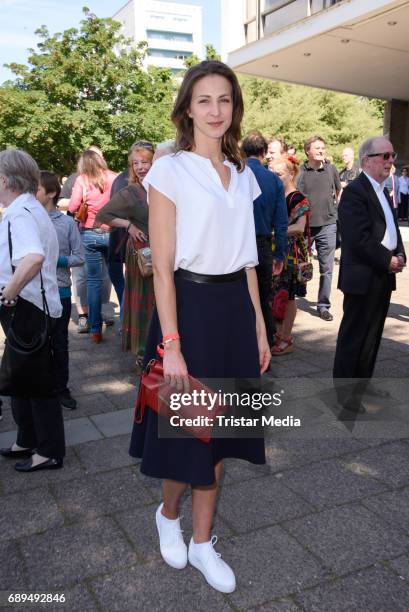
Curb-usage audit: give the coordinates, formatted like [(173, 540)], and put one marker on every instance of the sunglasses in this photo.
[(385, 156), (143, 144)]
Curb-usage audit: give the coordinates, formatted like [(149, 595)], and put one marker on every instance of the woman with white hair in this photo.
[(28, 235)]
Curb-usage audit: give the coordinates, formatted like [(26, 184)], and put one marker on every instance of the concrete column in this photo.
[(396, 125)]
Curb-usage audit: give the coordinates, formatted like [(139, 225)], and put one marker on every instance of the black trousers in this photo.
[(403, 206), (359, 337), (264, 272), (60, 346), (39, 421), (40, 425)]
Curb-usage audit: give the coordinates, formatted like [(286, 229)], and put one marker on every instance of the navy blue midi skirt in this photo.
[(217, 326)]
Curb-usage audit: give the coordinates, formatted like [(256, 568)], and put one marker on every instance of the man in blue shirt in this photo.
[(270, 214)]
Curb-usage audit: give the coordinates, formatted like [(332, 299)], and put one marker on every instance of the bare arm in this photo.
[(27, 269), (263, 348), (298, 227), (132, 229), (162, 232)]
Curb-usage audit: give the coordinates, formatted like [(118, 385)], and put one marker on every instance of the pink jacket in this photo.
[(95, 199)]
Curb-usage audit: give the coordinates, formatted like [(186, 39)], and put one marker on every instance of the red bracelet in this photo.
[(170, 337), (166, 340)]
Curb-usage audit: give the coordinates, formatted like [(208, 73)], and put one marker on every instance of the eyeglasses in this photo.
[(385, 156)]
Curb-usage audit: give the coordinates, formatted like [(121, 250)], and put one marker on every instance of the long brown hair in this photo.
[(184, 124), (94, 167)]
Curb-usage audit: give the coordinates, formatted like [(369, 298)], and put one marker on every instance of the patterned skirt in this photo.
[(138, 302)]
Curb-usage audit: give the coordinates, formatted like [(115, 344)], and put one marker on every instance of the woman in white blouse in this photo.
[(204, 252)]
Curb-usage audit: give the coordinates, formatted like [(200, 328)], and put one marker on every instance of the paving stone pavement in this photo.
[(323, 526)]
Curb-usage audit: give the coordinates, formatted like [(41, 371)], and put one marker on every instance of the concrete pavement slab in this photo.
[(11, 481), (393, 507), (105, 493), (80, 430), (88, 405), (349, 537), (401, 566), (372, 589), (330, 483), (158, 587), (280, 605), (114, 423), (269, 564), (105, 454), (28, 512), (275, 503), (77, 599), (11, 567), (74, 553), (388, 462)]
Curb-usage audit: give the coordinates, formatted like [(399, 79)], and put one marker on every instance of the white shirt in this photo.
[(215, 231), (403, 184), (390, 239), (31, 232)]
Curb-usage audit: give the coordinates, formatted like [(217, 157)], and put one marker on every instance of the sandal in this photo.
[(282, 346)]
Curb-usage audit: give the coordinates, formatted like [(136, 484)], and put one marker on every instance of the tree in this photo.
[(296, 112), (211, 54), (83, 87)]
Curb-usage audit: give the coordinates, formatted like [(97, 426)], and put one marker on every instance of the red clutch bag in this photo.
[(197, 419)]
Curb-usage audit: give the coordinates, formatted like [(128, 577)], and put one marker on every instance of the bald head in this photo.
[(348, 156)]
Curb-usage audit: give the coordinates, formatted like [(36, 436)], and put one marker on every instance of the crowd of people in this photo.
[(207, 242)]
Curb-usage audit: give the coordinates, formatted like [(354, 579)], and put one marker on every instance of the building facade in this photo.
[(173, 30), (353, 46)]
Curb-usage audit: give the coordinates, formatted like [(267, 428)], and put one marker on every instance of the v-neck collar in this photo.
[(206, 161)]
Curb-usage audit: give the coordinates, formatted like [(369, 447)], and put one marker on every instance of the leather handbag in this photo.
[(144, 259), (155, 393), (82, 213), (305, 271), (26, 368)]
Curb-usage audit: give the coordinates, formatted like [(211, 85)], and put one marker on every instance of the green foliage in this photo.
[(211, 54), (192, 60), (88, 86), (84, 87), (296, 112)]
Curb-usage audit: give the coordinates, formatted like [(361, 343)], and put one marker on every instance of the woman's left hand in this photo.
[(263, 349)]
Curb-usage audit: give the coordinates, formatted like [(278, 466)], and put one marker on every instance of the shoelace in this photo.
[(213, 541)]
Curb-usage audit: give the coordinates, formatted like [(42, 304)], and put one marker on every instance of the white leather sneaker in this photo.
[(217, 573), (172, 547)]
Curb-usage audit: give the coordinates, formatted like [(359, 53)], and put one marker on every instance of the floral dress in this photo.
[(298, 248)]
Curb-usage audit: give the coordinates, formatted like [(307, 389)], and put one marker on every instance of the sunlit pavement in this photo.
[(323, 526)]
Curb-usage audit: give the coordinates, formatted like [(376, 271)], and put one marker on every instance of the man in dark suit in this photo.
[(372, 254)]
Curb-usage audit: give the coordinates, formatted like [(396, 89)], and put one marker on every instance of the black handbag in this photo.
[(26, 368)]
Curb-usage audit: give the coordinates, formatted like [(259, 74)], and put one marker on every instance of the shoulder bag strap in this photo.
[(45, 303)]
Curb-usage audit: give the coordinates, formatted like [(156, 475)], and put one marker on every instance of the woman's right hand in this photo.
[(137, 234), (174, 367)]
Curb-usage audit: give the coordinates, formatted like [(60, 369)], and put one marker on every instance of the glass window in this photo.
[(162, 35), (287, 15), (169, 53)]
